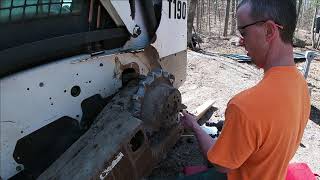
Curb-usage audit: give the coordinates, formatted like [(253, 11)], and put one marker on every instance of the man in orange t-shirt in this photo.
[(264, 124)]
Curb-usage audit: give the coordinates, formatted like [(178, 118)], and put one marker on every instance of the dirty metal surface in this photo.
[(156, 102), (119, 145)]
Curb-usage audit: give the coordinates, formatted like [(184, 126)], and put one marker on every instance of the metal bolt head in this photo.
[(310, 55), (19, 168), (136, 31)]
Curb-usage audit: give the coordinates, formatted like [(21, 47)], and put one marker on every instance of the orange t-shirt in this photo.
[(264, 126)]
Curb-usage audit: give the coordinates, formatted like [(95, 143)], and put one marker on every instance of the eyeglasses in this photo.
[(242, 28)]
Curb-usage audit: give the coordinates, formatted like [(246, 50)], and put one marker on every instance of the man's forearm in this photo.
[(205, 140)]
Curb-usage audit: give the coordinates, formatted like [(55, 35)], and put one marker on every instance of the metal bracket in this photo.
[(310, 55)]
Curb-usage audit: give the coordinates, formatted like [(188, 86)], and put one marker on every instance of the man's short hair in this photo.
[(282, 12)]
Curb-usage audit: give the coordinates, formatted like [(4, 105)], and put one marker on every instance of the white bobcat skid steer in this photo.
[(88, 88)]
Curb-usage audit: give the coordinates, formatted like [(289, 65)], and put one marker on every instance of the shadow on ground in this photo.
[(315, 115)]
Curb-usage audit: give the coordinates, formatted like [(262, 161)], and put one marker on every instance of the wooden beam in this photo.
[(202, 109)]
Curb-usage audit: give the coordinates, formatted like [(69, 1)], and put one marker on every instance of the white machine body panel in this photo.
[(172, 31), (35, 98)]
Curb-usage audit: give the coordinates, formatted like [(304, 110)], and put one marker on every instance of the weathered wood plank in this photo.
[(202, 109)]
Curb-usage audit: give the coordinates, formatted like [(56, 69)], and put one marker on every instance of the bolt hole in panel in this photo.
[(137, 141), (75, 91), (129, 74)]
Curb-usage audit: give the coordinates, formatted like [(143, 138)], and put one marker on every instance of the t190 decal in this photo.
[(177, 9)]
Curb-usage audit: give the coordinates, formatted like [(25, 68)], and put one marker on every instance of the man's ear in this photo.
[(270, 30)]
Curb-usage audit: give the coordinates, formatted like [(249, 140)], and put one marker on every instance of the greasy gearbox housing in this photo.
[(157, 103)]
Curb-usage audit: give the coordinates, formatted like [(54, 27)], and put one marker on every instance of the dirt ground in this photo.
[(219, 78)]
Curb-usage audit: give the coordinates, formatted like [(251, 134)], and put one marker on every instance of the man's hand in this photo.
[(204, 140), (188, 120), (241, 41)]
